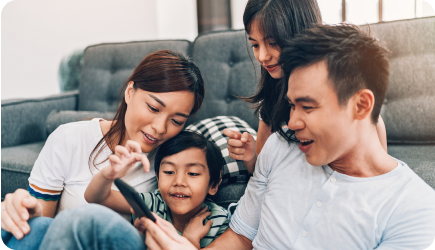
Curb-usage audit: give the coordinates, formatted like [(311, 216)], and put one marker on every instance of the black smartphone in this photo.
[(133, 198)]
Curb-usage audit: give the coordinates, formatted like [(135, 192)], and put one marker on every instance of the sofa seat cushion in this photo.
[(57, 118), (17, 163), (420, 158), (212, 130), (229, 193)]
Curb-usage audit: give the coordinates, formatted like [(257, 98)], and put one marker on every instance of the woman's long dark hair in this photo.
[(279, 20), (161, 71)]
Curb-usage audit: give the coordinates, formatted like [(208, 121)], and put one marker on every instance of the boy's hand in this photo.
[(124, 159), (240, 146), (195, 230)]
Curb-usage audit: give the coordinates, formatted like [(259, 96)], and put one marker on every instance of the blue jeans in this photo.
[(92, 227), (38, 227)]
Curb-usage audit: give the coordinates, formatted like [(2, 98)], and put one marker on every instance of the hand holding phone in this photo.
[(133, 198)]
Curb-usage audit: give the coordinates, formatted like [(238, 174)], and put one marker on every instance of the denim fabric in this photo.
[(38, 227), (92, 227)]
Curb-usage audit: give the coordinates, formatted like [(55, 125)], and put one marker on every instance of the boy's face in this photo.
[(184, 181), (326, 129)]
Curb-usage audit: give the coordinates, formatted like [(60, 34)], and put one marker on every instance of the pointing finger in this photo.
[(232, 134), (235, 143)]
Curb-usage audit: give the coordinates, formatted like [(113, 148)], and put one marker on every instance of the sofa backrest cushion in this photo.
[(107, 66), (228, 72), (409, 106)]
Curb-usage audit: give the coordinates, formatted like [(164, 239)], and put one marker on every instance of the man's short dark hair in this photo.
[(187, 139), (355, 60)]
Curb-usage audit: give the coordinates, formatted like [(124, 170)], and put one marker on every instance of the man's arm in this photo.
[(230, 240)]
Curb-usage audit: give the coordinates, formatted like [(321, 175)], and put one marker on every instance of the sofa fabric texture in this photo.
[(107, 66), (229, 70), (23, 121), (409, 111)]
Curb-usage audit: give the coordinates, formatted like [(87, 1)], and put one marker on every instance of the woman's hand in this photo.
[(195, 230), (242, 147), (17, 209), (124, 159), (162, 235)]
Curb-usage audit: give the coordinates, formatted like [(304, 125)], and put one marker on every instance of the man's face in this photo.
[(325, 129)]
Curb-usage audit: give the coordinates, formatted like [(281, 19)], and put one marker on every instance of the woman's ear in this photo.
[(128, 94), (364, 103), (213, 189)]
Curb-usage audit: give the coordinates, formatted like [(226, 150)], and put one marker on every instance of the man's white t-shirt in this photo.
[(290, 204), (62, 170)]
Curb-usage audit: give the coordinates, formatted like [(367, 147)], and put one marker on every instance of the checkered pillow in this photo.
[(212, 130)]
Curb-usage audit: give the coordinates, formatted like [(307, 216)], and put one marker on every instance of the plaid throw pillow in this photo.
[(212, 130)]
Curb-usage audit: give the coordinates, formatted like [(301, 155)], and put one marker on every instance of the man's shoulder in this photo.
[(414, 193)]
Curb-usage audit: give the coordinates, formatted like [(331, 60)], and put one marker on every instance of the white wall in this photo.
[(37, 34), (177, 19), (237, 10)]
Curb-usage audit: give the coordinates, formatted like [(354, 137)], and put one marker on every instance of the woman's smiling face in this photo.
[(266, 51), (152, 118)]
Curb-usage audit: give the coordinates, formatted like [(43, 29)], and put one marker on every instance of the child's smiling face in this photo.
[(184, 181)]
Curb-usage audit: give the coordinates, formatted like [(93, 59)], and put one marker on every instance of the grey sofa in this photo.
[(228, 71)]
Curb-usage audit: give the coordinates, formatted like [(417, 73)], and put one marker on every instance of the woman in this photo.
[(163, 91), (269, 24)]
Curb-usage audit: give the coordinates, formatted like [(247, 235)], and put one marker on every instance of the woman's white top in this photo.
[(62, 172)]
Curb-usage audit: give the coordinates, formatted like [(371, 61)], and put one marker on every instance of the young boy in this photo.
[(188, 168)]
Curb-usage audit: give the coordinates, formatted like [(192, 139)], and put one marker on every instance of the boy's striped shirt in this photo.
[(219, 215)]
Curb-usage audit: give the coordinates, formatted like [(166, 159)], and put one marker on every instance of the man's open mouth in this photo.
[(306, 142)]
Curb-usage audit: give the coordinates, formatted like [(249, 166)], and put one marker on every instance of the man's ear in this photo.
[(213, 190), (128, 94), (364, 103)]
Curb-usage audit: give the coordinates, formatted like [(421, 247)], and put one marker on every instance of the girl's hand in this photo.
[(240, 146), (17, 209), (124, 159), (195, 230), (162, 235)]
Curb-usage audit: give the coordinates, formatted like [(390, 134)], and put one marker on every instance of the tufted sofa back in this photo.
[(107, 66), (409, 106), (228, 72)]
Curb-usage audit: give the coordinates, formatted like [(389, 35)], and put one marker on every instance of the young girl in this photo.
[(159, 96), (188, 168), (269, 24)]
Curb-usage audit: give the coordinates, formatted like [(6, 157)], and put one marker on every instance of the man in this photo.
[(337, 189)]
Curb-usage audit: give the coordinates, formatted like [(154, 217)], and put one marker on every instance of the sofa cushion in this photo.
[(228, 71), (57, 118), (409, 106), (107, 66), (17, 163), (420, 158), (211, 129)]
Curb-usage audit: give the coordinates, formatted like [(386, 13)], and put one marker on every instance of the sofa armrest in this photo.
[(23, 120)]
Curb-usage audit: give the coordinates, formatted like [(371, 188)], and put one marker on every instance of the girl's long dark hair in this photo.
[(161, 71), (279, 20)]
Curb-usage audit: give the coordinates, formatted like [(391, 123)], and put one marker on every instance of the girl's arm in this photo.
[(99, 189), (262, 135), (382, 133)]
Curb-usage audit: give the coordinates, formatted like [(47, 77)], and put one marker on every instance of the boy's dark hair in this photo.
[(188, 139), (355, 60)]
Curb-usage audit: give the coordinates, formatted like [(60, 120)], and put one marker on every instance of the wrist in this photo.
[(193, 240)]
